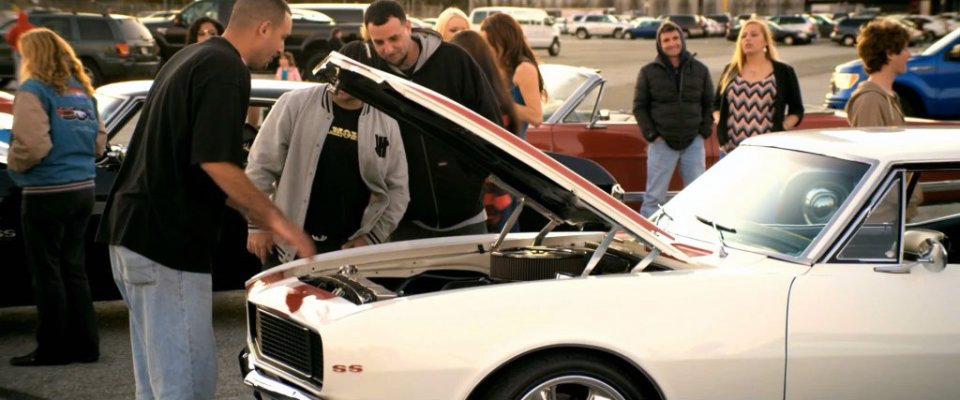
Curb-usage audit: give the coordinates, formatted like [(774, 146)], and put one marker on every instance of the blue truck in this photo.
[(929, 89)]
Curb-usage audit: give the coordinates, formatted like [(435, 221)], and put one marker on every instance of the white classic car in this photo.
[(788, 271)]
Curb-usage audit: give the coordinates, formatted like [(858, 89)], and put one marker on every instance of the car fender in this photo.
[(432, 338)]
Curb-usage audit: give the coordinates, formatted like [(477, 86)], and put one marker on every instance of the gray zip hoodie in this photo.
[(284, 156)]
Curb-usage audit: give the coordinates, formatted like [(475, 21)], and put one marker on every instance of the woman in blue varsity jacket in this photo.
[(57, 134)]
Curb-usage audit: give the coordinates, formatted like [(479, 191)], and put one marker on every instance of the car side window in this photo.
[(94, 29), (478, 16), (59, 25), (878, 238)]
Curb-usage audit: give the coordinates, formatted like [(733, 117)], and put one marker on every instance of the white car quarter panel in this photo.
[(857, 334), (441, 345)]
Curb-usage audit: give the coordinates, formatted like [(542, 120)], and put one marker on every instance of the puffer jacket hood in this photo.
[(684, 54)]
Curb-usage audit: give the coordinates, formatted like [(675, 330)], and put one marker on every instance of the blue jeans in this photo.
[(661, 161), (171, 327)]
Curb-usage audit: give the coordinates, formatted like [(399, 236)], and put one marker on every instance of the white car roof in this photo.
[(331, 6), (928, 144)]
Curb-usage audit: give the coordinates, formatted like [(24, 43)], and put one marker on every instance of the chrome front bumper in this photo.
[(266, 385)]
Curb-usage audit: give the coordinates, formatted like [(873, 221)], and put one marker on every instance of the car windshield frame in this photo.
[(753, 217), (941, 44), (558, 96)]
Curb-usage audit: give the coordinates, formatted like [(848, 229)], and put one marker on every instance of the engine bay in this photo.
[(515, 264)]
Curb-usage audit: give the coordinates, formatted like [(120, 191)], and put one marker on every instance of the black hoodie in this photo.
[(674, 103), (445, 188)]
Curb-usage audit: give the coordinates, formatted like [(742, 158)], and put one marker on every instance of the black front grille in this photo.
[(289, 345)]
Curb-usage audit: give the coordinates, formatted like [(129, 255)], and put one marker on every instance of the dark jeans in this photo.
[(54, 227), (408, 231)]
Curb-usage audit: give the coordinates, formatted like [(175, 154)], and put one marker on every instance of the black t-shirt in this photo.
[(339, 195), (163, 205)]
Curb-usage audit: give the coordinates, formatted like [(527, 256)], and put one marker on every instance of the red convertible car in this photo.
[(575, 125), (6, 102)]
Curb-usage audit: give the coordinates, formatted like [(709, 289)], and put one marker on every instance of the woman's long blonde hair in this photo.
[(50, 59), (738, 59), (446, 16)]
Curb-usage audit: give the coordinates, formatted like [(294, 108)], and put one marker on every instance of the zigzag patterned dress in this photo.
[(751, 107)]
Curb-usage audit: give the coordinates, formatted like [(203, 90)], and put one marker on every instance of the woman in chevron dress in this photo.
[(757, 93)]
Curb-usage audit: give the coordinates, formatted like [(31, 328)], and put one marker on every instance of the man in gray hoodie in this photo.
[(673, 105)]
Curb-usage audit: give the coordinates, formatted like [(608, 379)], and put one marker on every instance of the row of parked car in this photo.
[(116, 47)]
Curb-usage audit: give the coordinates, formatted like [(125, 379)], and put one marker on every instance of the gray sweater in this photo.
[(283, 161)]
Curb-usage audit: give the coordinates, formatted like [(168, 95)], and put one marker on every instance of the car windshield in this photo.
[(560, 83), (945, 41), (779, 211), (312, 16), (107, 105)]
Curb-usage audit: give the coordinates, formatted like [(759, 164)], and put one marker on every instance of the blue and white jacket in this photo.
[(56, 138)]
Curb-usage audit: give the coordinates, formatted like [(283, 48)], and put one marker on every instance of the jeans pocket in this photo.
[(137, 269)]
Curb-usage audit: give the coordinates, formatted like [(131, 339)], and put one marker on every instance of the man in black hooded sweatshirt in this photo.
[(673, 105), (446, 188)]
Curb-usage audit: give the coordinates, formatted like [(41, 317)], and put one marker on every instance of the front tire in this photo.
[(582, 34), (788, 41), (554, 49), (627, 35), (849, 41), (571, 376)]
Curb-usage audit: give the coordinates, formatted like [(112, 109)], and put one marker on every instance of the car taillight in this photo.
[(123, 49)]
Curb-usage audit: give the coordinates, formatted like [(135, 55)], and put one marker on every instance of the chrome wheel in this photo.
[(573, 387)]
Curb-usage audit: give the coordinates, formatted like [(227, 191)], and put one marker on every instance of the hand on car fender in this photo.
[(285, 232), (260, 244), (358, 242)]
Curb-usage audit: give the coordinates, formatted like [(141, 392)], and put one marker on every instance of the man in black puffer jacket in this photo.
[(673, 105)]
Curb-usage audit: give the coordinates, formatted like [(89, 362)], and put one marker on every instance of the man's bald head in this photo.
[(248, 14)]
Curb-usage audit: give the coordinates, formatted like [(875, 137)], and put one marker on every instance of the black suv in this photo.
[(111, 47), (307, 41), (846, 30)]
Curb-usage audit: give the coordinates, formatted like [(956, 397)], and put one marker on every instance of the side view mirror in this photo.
[(954, 54), (604, 115), (928, 248), (548, 21), (113, 157), (178, 20)]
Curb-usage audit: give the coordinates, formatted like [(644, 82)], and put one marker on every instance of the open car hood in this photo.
[(542, 182)]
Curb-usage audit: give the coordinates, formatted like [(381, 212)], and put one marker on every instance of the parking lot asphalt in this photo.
[(619, 61), (112, 376)]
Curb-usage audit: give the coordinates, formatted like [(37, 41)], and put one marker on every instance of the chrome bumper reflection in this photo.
[(273, 388)]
